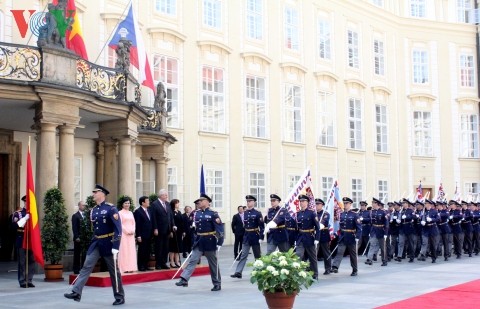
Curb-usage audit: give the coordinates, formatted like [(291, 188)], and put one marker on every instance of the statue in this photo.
[(160, 97), (53, 33), (123, 55)]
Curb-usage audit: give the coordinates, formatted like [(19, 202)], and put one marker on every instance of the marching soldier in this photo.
[(456, 219), (208, 241), (476, 227), (378, 234), (467, 229), (324, 248), (394, 229), (107, 229), (254, 228), (277, 236), (292, 231), (365, 217), (308, 234), (350, 232), (406, 232), (419, 240), (444, 229), (430, 230)]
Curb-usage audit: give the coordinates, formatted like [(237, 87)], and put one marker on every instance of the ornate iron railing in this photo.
[(154, 119), (19, 62), (106, 82)]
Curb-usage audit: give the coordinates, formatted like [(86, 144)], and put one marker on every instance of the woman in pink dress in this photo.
[(127, 255)]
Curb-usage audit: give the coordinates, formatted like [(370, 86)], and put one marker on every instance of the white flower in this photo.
[(284, 271), (296, 265), (258, 263), (270, 268), (282, 258), (274, 253), (254, 273), (283, 263), (302, 274), (275, 273)]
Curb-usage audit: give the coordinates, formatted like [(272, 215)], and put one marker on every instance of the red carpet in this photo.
[(102, 279), (464, 295)]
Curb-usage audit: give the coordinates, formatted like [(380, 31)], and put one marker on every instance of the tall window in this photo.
[(472, 188), (381, 128), (467, 71), (168, 7), (212, 13), (417, 8), (172, 182), (138, 181), (291, 181), (463, 10), (293, 114), (291, 24), (469, 133), (77, 180), (357, 189), (353, 52), (255, 19), (327, 183), (420, 67), (324, 39), (379, 55), (165, 70), (355, 123), (214, 186), (383, 190), (326, 116), (256, 115), (213, 105), (257, 188), (422, 126), (378, 3)]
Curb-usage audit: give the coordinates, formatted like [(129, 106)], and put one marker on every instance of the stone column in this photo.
[(46, 162), (147, 188), (125, 167), (160, 174), (100, 162), (133, 182), (110, 170), (66, 171)]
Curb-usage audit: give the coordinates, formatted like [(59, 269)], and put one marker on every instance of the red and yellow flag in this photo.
[(31, 238), (74, 37)]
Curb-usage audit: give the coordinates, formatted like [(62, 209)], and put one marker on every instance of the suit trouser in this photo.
[(324, 248), (311, 254), (352, 250), (161, 250), (143, 253), (87, 269), (282, 247), (237, 245), (22, 266), (243, 257), (457, 243), (77, 257), (377, 243), (408, 241), (212, 265)]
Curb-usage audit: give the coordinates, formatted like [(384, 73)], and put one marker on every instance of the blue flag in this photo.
[(202, 182)]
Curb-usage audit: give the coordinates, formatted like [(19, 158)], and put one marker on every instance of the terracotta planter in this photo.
[(151, 262), (53, 272), (279, 300)]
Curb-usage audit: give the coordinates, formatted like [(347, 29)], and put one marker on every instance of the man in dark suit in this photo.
[(77, 221), (238, 230), (162, 228), (143, 232)]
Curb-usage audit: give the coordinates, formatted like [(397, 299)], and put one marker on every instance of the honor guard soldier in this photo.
[(467, 229), (394, 229), (208, 241), (444, 229), (350, 232), (430, 230), (107, 230), (324, 245), (254, 228), (419, 240), (308, 234), (365, 217), (292, 230), (378, 234), (476, 227), (406, 232), (25, 272), (456, 217), (277, 236)]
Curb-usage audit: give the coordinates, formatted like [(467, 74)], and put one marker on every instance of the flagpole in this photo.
[(27, 230), (114, 28)]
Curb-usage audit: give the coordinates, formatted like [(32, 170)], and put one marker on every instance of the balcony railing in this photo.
[(106, 82), (19, 62)]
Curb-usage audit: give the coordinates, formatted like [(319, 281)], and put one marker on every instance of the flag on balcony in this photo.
[(138, 55), (202, 181), (73, 36), (31, 238)]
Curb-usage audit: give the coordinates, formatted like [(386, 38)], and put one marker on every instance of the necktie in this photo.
[(164, 207), (146, 211)]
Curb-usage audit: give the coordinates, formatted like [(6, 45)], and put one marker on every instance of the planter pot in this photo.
[(279, 300), (151, 262), (53, 273)]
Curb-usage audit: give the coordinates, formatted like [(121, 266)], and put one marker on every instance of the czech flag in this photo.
[(74, 37)]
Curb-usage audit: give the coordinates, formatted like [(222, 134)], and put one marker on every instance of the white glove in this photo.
[(422, 223), (322, 226), (451, 217), (218, 248), (404, 217), (418, 216), (429, 219), (395, 217), (23, 221), (260, 240), (193, 224), (115, 253), (361, 218), (174, 228), (316, 242), (385, 236), (266, 230), (399, 221), (271, 225)]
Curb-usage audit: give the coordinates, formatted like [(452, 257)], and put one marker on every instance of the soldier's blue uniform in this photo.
[(476, 230), (430, 232), (365, 217), (324, 245), (24, 277), (277, 236), (394, 231), (308, 233), (379, 229), (467, 231), (456, 217), (445, 232), (107, 231), (406, 238), (291, 227)]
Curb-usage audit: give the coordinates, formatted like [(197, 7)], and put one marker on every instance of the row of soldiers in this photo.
[(402, 229)]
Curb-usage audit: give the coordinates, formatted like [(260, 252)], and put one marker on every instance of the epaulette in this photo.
[(110, 204)]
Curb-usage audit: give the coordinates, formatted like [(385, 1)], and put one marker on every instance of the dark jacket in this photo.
[(237, 225), (76, 225), (143, 225), (162, 217)]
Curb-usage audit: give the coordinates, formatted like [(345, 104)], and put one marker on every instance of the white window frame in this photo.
[(467, 70), (257, 187), (293, 106), (353, 51), (422, 133), (355, 123), (292, 181), (256, 107), (327, 183), (378, 3), (213, 100), (326, 119), (172, 182), (212, 14), (471, 188), (379, 57), (383, 190), (254, 19), (357, 191), (167, 7), (469, 138), (324, 29), (463, 10), (214, 184), (420, 66), (292, 28), (138, 179), (381, 128), (169, 78), (418, 8)]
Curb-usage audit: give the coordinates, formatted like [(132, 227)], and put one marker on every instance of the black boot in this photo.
[(74, 295), (182, 282)]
